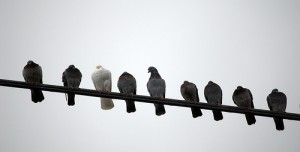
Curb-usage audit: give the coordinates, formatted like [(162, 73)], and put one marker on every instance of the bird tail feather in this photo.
[(196, 112), (37, 95), (159, 109), (279, 123), (250, 119), (217, 115), (106, 103), (71, 99), (130, 106)]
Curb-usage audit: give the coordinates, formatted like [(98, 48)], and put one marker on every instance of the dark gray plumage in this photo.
[(277, 102), (127, 85), (242, 97), (71, 77), (189, 92), (213, 96), (157, 88), (32, 73)]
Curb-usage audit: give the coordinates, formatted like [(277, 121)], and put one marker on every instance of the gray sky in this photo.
[(254, 44)]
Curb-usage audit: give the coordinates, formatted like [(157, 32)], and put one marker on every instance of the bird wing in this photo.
[(197, 96), (233, 96), (182, 91), (64, 79), (269, 100), (39, 70), (221, 93), (163, 88), (106, 77), (134, 85), (206, 92), (251, 97)]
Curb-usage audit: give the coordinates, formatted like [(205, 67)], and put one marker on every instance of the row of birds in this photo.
[(156, 86)]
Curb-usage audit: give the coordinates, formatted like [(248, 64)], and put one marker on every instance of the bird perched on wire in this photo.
[(32, 73), (71, 78), (189, 92), (157, 88), (242, 97), (277, 102), (213, 96), (102, 82), (127, 85)]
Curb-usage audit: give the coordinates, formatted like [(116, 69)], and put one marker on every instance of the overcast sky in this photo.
[(255, 44)]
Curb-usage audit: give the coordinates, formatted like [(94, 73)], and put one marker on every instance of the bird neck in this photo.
[(155, 75), (100, 68), (33, 65)]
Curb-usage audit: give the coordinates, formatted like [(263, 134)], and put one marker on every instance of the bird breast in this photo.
[(156, 87)]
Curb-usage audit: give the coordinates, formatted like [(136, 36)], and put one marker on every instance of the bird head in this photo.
[(152, 69), (30, 62), (275, 90), (239, 88), (186, 82), (124, 74), (71, 66), (98, 66), (210, 82)]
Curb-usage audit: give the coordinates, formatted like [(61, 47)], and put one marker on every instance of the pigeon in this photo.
[(213, 96), (71, 78), (102, 82), (242, 97), (127, 85), (277, 102), (32, 73), (189, 92), (157, 88)]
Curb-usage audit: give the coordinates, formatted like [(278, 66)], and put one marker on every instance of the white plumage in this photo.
[(102, 82)]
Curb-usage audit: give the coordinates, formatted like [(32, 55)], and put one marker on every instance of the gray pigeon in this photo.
[(213, 96), (242, 97), (127, 85), (71, 78), (189, 92), (277, 102), (157, 88), (32, 73)]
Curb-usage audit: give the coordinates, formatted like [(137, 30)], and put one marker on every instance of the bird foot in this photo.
[(131, 94)]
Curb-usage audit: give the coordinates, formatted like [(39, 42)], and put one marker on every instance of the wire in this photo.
[(147, 99)]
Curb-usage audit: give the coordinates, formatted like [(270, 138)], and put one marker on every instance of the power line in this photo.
[(147, 99)]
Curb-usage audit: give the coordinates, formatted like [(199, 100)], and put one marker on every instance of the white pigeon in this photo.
[(102, 82)]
